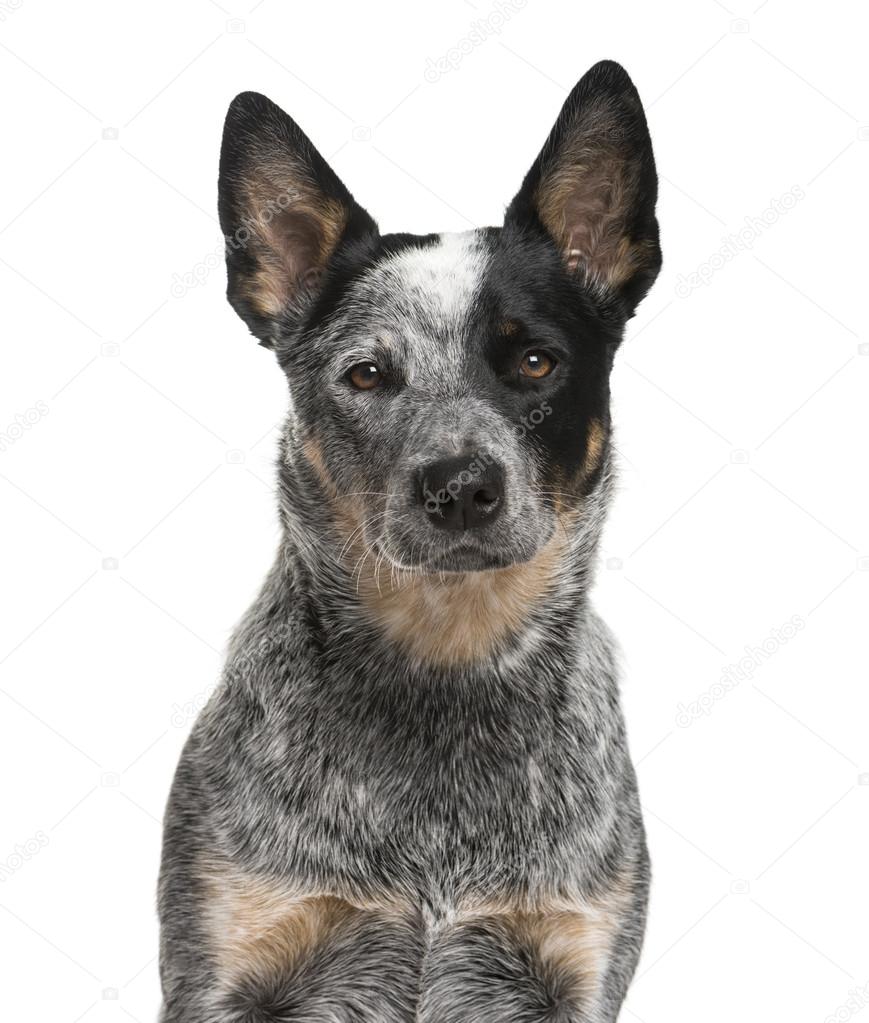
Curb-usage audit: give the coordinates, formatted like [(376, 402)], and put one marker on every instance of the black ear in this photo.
[(283, 212), (593, 188)]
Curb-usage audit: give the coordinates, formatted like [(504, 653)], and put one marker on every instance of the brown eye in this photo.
[(536, 365), (365, 376)]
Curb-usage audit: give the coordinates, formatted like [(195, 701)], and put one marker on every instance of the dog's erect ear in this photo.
[(593, 188), (283, 213)]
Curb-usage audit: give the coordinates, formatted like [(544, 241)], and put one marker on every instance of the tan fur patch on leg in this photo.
[(573, 938), (576, 943), (257, 927)]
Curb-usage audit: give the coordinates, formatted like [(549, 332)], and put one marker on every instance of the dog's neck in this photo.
[(448, 620)]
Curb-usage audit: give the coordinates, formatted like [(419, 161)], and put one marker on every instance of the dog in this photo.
[(410, 797)]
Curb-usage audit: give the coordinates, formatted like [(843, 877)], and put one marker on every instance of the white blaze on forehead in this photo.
[(446, 274), (423, 295)]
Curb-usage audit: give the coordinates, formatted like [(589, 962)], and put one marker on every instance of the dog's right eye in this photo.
[(536, 365), (364, 376)]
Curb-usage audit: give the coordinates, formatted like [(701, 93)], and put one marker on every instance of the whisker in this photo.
[(359, 565), (363, 493), (377, 565), (359, 529)]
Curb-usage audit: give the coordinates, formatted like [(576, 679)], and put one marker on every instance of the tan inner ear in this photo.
[(585, 201), (293, 233)]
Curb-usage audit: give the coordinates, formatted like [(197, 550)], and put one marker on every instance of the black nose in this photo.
[(462, 492)]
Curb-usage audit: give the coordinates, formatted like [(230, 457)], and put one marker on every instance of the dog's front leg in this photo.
[(567, 964)]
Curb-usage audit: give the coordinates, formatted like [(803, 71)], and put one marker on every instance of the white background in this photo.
[(740, 407)]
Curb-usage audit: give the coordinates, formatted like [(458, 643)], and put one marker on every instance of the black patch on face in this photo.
[(528, 289)]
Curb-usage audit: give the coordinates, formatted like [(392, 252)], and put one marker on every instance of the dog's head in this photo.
[(452, 389)]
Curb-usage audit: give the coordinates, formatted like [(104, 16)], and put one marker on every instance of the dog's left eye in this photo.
[(536, 365), (364, 376)]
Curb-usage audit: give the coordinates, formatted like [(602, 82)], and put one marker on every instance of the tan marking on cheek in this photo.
[(594, 447), (567, 490), (313, 452), (460, 619), (345, 510), (563, 498)]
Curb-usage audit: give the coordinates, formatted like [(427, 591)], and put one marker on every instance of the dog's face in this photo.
[(450, 392)]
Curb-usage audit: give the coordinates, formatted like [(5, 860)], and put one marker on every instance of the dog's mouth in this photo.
[(468, 557), (462, 557)]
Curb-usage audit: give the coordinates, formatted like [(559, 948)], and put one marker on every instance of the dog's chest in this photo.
[(434, 800)]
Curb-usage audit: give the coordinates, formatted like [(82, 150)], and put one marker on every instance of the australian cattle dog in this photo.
[(410, 797)]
